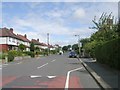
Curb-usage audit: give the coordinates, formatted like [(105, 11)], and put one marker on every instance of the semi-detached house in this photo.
[(11, 41), (41, 46)]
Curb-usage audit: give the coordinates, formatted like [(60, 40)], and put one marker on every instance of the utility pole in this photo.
[(48, 42), (78, 44)]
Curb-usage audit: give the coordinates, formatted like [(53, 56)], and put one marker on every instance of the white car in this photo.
[(60, 52)]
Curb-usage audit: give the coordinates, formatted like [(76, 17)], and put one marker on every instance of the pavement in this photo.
[(105, 76)]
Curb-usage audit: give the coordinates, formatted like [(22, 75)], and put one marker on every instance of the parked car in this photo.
[(72, 54)]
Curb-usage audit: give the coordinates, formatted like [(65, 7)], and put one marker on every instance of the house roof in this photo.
[(38, 43), (5, 32), (24, 38), (35, 42)]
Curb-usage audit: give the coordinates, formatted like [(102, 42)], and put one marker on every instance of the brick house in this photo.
[(24, 41), (41, 46), (10, 41)]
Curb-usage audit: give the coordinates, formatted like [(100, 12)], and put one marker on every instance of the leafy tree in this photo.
[(75, 47), (32, 48), (69, 46), (37, 49), (21, 47), (65, 48), (84, 41)]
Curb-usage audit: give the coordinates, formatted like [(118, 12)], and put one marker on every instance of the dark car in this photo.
[(72, 55)]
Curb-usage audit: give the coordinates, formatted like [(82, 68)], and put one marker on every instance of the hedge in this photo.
[(109, 53)]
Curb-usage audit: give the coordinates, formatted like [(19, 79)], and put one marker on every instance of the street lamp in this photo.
[(78, 43), (48, 42)]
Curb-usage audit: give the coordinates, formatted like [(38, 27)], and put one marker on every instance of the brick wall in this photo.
[(3, 47)]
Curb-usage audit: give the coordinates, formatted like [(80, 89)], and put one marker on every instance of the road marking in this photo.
[(35, 76), (53, 60), (42, 66), (68, 77), (51, 76)]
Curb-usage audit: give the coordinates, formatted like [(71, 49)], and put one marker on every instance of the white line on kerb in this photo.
[(53, 60), (68, 76), (42, 66)]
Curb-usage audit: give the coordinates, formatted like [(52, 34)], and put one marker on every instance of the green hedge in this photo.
[(109, 53)]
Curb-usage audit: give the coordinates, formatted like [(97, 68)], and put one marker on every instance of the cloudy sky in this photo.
[(62, 20)]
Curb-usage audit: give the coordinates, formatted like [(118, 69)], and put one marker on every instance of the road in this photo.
[(54, 71)]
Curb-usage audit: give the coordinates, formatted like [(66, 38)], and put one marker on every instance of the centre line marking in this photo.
[(53, 60), (42, 66), (68, 77)]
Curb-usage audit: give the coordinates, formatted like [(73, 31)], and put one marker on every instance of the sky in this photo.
[(62, 20)]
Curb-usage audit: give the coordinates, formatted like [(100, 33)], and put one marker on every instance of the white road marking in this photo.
[(35, 76), (53, 60), (51, 76), (68, 76), (42, 66)]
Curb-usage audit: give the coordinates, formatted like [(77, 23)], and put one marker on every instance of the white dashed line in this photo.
[(42, 66), (53, 60)]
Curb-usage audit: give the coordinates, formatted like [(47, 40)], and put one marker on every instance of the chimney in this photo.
[(38, 40), (11, 29), (25, 36)]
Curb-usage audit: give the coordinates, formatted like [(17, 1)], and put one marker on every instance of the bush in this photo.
[(3, 55), (11, 56), (32, 54), (16, 53), (53, 51), (108, 53)]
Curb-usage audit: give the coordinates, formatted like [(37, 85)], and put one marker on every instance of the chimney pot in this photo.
[(38, 40), (25, 36), (11, 29)]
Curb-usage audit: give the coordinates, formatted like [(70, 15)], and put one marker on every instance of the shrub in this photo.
[(16, 53), (11, 56), (32, 54), (3, 55)]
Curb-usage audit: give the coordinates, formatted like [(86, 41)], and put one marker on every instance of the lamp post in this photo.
[(48, 42), (78, 43)]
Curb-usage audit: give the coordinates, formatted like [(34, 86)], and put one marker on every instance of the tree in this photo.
[(75, 48), (84, 41), (21, 47), (37, 49), (65, 48), (69, 47), (32, 48)]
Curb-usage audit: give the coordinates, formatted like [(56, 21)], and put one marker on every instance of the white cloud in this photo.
[(35, 25), (79, 13), (60, 0)]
